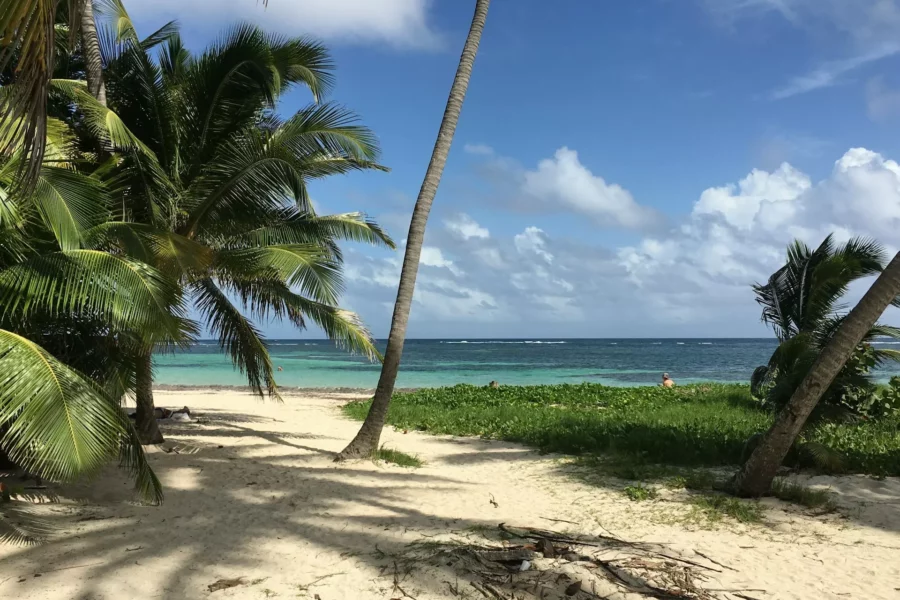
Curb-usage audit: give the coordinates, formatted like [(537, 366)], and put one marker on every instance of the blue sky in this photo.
[(621, 168)]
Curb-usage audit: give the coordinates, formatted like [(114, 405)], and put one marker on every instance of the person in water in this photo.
[(667, 381)]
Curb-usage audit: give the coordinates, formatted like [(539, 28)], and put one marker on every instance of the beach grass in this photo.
[(716, 506), (396, 457), (796, 493), (703, 425)]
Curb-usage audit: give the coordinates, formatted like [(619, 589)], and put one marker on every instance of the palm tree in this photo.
[(211, 184), (366, 441), (90, 45), (69, 316), (755, 477), (802, 303)]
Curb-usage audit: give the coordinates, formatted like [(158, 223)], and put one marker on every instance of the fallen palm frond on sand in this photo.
[(525, 563)]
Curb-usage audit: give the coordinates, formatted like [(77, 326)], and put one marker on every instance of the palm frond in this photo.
[(57, 423), (306, 266), (69, 203), (128, 293), (237, 335), (28, 35), (291, 226), (342, 326)]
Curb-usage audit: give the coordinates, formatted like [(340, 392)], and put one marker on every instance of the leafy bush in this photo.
[(694, 425), (639, 492)]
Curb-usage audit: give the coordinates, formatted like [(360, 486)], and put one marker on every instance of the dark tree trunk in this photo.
[(145, 419), (366, 441), (755, 477), (93, 61)]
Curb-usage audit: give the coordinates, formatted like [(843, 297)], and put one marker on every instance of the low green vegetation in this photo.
[(716, 506), (398, 458), (800, 494), (639, 492), (705, 425)]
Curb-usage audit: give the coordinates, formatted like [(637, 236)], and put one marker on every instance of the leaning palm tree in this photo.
[(212, 186), (366, 441), (755, 477), (802, 302)]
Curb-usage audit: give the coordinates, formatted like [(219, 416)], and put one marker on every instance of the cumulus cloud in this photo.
[(565, 181), (433, 257), (466, 227), (736, 234), (693, 280), (401, 23), (531, 241)]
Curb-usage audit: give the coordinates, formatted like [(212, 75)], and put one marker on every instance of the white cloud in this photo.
[(736, 234), (401, 23), (433, 257), (466, 227), (760, 195), (531, 241), (693, 280), (563, 180), (860, 32), (830, 73)]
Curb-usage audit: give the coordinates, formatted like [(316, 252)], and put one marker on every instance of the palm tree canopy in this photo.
[(804, 303), (211, 186)]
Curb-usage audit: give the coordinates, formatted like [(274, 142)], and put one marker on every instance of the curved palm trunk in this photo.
[(755, 477), (366, 441), (145, 419), (90, 44)]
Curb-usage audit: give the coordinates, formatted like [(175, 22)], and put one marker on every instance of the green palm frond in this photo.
[(237, 335), (28, 36), (170, 253), (342, 326), (69, 203), (291, 226), (60, 425), (306, 266), (128, 293), (250, 176)]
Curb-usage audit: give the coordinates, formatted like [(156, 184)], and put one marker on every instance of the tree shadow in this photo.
[(264, 507), (234, 511)]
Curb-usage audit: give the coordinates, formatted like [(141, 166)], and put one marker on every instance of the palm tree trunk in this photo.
[(755, 477), (90, 44), (145, 419), (366, 441)]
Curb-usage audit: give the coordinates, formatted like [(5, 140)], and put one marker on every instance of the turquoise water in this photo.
[(433, 363)]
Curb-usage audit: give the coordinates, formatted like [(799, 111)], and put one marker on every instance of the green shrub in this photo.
[(639, 492), (693, 425)]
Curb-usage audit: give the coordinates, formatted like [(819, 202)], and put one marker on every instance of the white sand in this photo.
[(260, 498)]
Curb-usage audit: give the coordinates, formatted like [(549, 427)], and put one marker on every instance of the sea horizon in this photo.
[(316, 363)]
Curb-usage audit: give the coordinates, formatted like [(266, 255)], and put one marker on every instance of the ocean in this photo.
[(435, 363)]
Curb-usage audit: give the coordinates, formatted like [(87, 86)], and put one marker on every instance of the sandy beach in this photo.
[(252, 495)]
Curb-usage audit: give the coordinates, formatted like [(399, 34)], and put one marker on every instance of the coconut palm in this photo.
[(366, 441), (802, 302), (212, 186), (755, 477), (70, 318)]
